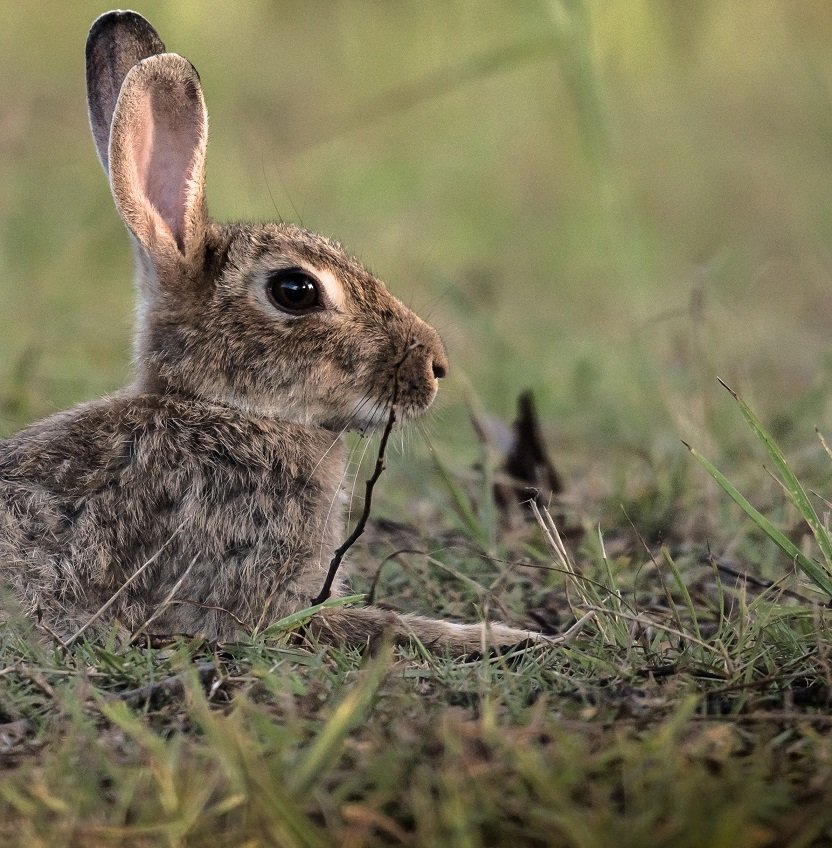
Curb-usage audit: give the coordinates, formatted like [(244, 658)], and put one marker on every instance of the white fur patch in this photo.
[(333, 289)]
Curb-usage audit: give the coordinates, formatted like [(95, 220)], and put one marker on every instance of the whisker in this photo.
[(336, 439), (355, 479), (333, 501)]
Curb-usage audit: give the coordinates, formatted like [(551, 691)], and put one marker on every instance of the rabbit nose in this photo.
[(440, 366)]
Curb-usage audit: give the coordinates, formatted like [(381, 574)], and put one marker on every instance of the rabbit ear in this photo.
[(157, 156), (116, 41)]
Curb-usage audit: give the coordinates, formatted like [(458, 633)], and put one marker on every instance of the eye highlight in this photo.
[(293, 290)]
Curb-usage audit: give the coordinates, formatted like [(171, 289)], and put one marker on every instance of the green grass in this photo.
[(684, 712), (609, 203)]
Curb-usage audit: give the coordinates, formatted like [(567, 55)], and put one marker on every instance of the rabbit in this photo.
[(207, 496)]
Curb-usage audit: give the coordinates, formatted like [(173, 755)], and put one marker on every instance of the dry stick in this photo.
[(111, 600), (172, 687), (335, 562), (164, 605), (371, 594), (51, 633), (193, 603)]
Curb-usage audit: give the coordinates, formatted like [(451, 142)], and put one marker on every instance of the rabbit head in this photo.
[(271, 319)]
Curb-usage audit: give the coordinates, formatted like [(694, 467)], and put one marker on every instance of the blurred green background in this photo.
[(608, 202)]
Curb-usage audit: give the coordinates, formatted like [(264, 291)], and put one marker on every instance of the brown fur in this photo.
[(207, 496)]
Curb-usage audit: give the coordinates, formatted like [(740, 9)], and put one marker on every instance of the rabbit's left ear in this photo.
[(116, 41), (157, 157)]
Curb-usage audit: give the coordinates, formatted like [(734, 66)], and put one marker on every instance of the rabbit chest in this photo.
[(217, 522)]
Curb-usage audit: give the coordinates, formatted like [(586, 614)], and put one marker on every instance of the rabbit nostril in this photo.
[(439, 369)]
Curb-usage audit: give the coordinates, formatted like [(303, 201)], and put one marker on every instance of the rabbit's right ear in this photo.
[(157, 157), (117, 40)]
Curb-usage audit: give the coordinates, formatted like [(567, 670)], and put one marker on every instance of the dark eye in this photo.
[(293, 290)]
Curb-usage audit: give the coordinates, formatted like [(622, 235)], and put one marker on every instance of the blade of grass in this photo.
[(329, 743), (290, 622), (795, 491), (682, 587), (809, 567), (253, 771), (462, 503)]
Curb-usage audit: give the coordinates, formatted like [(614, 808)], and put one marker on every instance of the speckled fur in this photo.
[(207, 496)]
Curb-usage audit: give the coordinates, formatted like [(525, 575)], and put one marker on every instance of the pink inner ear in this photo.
[(163, 150)]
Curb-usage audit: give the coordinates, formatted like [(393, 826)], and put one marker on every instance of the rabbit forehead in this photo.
[(282, 245)]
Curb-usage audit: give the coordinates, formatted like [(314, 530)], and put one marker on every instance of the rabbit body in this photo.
[(207, 496), (248, 507)]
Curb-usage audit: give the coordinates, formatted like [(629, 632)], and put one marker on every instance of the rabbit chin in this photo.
[(374, 415), (366, 414)]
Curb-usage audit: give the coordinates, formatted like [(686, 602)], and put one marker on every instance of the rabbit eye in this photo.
[(293, 290)]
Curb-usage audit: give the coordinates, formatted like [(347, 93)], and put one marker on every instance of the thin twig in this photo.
[(51, 633), (644, 621), (371, 594), (164, 605), (243, 625), (569, 635), (111, 600), (171, 687), (338, 556)]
